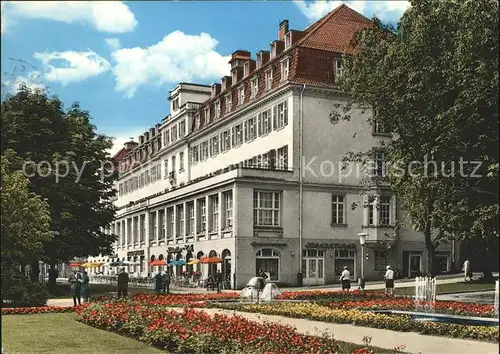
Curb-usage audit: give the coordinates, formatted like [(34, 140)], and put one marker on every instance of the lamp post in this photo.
[(362, 240)]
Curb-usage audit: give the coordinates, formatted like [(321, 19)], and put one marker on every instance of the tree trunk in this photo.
[(35, 270), (52, 276)]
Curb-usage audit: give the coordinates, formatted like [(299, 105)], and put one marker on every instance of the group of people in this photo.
[(162, 283), (345, 279), (80, 286), (215, 281)]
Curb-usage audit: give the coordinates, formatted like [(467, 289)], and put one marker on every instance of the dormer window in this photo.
[(229, 101), (241, 95), (255, 87), (285, 67), (207, 114), (273, 50), (217, 109), (235, 76), (288, 40), (224, 84), (197, 121), (259, 60), (337, 64), (214, 90), (269, 79), (246, 69), (175, 104)]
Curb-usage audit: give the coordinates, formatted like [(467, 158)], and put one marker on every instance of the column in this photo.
[(221, 209), (234, 259), (157, 222), (184, 210), (147, 253), (195, 206), (366, 211), (134, 230), (127, 233), (174, 226), (207, 210), (376, 211)]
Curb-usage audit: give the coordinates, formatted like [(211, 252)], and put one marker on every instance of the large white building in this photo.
[(241, 170)]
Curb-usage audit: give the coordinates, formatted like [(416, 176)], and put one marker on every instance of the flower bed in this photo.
[(323, 313), (193, 331), (402, 304), (37, 310), (319, 295)]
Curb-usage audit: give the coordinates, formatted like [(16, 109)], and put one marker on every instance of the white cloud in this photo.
[(121, 138), (77, 66), (388, 11), (113, 43), (105, 16), (32, 81), (177, 57)]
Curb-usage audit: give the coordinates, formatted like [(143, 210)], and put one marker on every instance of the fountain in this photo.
[(496, 298), (425, 294)]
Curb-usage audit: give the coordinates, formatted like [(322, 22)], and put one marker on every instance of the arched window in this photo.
[(226, 264), (160, 257), (153, 258), (212, 267), (268, 259), (212, 253)]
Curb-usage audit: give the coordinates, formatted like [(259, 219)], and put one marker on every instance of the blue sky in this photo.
[(120, 59)]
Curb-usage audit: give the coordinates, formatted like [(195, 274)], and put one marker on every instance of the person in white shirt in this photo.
[(345, 279), (389, 280), (466, 269)]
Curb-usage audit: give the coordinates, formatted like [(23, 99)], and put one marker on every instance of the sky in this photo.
[(120, 59)]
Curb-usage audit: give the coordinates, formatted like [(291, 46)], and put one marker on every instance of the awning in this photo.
[(158, 263), (193, 261), (210, 260), (92, 264)]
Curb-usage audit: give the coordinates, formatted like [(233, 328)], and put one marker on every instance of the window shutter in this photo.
[(272, 159), (275, 117), (259, 124)]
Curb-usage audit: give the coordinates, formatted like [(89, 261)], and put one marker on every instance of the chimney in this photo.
[(157, 128), (283, 30), (141, 139), (152, 132), (146, 136), (130, 145)]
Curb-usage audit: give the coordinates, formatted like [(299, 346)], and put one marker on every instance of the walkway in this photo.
[(382, 338)]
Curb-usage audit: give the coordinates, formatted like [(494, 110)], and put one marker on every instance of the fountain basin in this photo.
[(443, 318)]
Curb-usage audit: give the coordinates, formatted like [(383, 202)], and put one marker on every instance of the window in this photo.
[(175, 104), (379, 164), (166, 137), (344, 258), (273, 50), (197, 121), (169, 222), (288, 40), (155, 226), (214, 146), (214, 208), (259, 60), (269, 79), (194, 154), (266, 208), (229, 102), (235, 76), (237, 135), (173, 164), (217, 109), (202, 215), (385, 210), (181, 161), (337, 64), (190, 210), (241, 95), (313, 263), (378, 128), (255, 87), (280, 113), (370, 214), (180, 220), (380, 260), (136, 229), (204, 150), (173, 133), (182, 128), (282, 158), (265, 122), (246, 69), (285, 65), (250, 126), (228, 209), (268, 260), (338, 209)]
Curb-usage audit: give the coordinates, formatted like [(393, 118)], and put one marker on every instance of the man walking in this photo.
[(123, 280), (389, 280), (166, 282), (218, 279), (158, 283), (75, 280)]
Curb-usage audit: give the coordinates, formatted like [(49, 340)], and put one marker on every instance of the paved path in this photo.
[(382, 338)]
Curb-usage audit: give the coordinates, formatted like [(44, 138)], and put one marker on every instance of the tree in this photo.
[(433, 82), (69, 166), (25, 222)]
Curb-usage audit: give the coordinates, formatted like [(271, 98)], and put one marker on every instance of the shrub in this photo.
[(18, 291)]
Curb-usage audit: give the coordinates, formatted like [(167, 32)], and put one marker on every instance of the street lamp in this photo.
[(362, 241)]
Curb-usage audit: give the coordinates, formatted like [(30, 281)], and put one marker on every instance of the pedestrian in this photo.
[(158, 283), (123, 280), (166, 282), (345, 279), (467, 270), (218, 279), (85, 287), (75, 280), (389, 280)]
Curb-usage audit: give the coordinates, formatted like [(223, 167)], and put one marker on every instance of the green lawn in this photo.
[(60, 333), (447, 288)]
